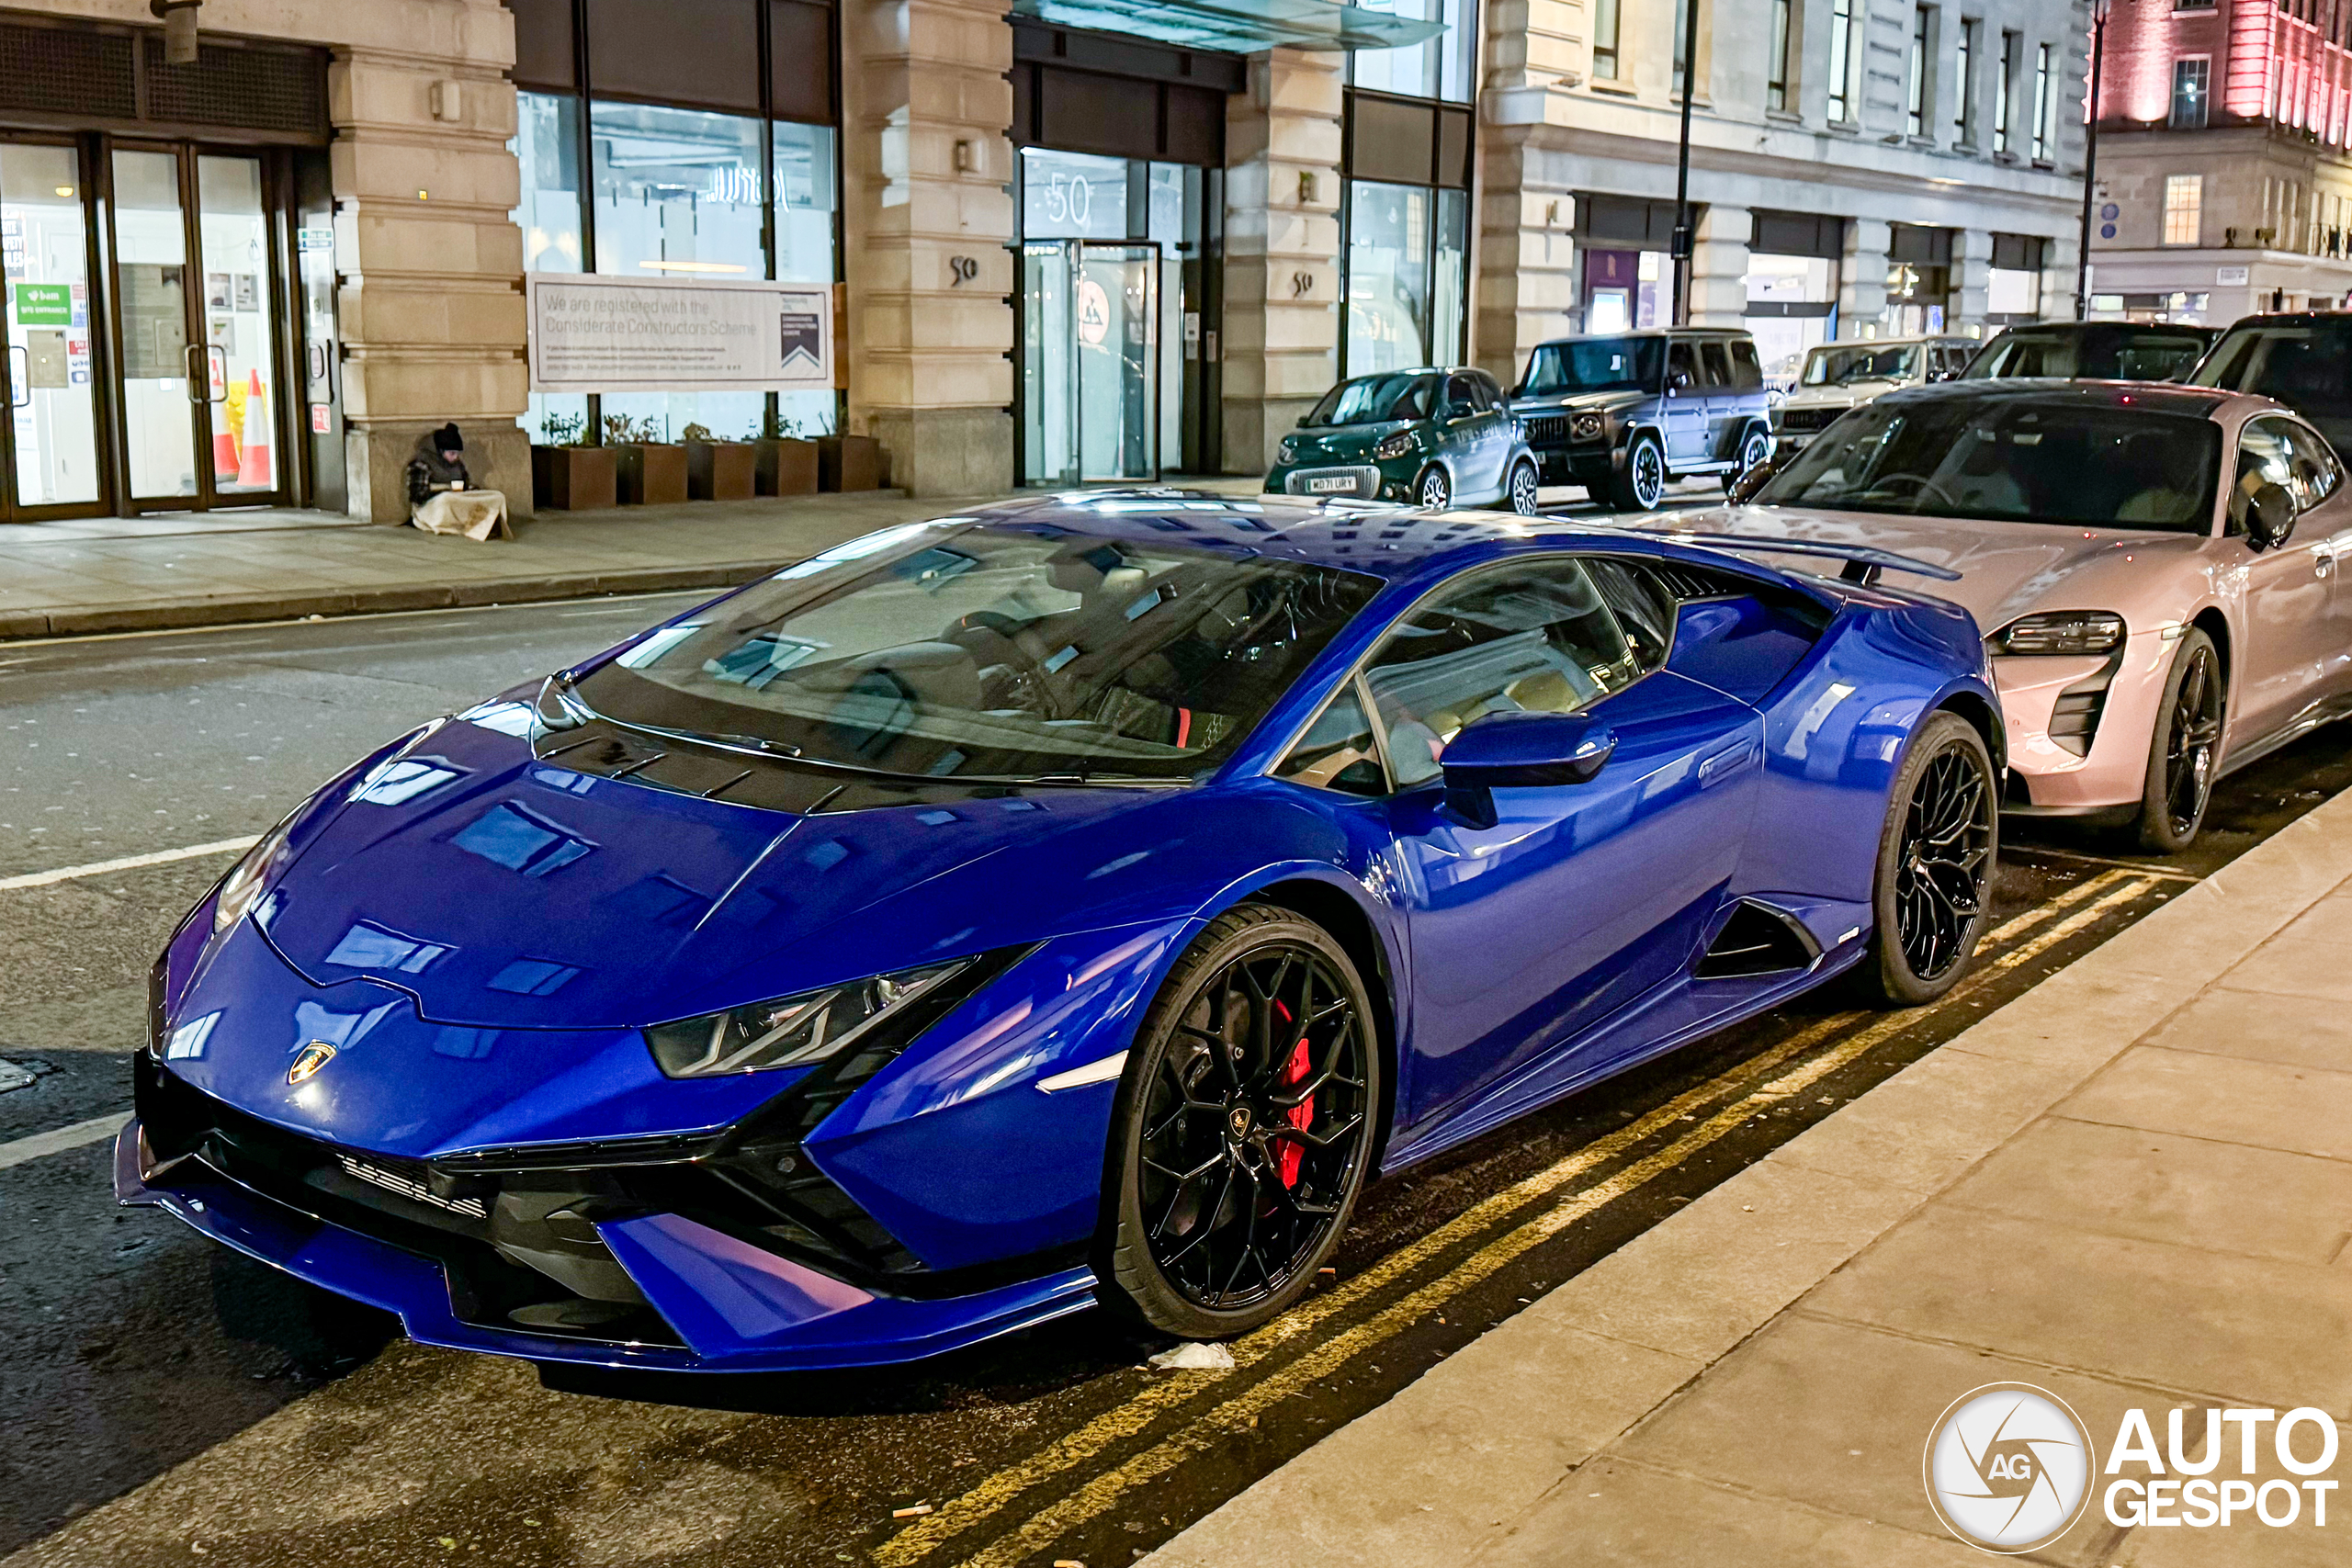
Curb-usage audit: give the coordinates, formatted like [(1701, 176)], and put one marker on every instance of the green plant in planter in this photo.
[(564, 429), (620, 432), (772, 426), (695, 432)]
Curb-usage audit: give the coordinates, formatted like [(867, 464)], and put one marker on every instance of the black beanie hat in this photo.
[(447, 439)]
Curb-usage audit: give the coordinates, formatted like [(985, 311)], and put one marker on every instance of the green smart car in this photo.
[(1430, 437)]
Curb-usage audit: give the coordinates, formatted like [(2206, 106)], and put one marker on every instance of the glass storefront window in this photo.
[(239, 323), (151, 262), (678, 193), (2011, 292), (1438, 68), (806, 200), (1389, 278), (1798, 300), (547, 145), (44, 240), (1073, 195), (1450, 277)]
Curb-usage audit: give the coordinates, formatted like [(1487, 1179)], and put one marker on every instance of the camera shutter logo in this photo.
[(2008, 1467)]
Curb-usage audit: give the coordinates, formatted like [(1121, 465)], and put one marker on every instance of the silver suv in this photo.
[(1624, 413), (1841, 376)]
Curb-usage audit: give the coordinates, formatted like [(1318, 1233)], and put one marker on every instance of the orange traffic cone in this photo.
[(224, 458), (257, 471)]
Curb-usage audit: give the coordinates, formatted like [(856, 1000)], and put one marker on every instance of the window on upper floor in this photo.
[(2045, 103), (2184, 209), (1604, 40), (2191, 79), (1963, 118), (1841, 61), (2004, 90), (1776, 86), (1922, 106)]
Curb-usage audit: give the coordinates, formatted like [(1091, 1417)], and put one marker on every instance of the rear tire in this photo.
[(1641, 483), (1932, 892), (2185, 748), (1755, 447), (1238, 1148)]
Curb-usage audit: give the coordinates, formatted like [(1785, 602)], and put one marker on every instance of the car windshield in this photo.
[(2305, 365), (2012, 460), (1596, 365), (1861, 362), (2116, 353), (1374, 399), (954, 650)]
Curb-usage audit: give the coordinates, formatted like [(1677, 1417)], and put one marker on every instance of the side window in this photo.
[(1747, 370), (1337, 751), (1681, 363), (1488, 387), (1533, 637), (2263, 458), (2315, 470), (1460, 396), (1718, 364), (1643, 605)]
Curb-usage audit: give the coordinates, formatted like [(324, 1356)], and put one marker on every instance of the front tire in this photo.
[(1755, 447), (1520, 495), (1433, 489), (1932, 892), (2183, 751), (1244, 1127), (1641, 483)]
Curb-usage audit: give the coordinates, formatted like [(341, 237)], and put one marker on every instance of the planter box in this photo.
[(651, 475), (572, 479), (848, 462), (720, 470), (787, 467)]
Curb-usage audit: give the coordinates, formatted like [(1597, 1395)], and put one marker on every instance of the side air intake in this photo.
[(1757, 940)]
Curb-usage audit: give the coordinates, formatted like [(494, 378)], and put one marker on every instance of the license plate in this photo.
[(1336, 482)]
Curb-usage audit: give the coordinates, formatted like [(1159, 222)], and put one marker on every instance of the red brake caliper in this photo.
[(1302, 1115)]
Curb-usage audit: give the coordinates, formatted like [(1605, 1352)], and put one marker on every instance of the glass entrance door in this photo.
[(48, 446), (1090, 362), (197, 283)]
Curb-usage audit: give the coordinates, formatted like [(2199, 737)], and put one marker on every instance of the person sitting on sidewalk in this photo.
[(441, 496)]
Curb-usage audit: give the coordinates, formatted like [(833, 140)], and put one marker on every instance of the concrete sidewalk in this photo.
[(62, 579), (2132, 1187)]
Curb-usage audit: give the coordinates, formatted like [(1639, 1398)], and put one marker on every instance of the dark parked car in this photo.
[(2093, 351), (1433, 437), (2302, 360), (1624, 413)]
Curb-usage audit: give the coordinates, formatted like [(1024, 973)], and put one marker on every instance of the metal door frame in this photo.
[(284, 334), (1077, 250), (101, 407)]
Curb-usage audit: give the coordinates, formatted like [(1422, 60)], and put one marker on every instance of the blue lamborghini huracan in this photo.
[(1073, 902)]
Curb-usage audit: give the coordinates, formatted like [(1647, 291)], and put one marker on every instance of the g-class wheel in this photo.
[(1639, 485)]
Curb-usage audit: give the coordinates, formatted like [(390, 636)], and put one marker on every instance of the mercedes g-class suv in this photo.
[(1624, 413)]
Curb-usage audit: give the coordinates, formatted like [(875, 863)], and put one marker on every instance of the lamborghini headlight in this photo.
[(1396, 446), (793, 1031), (2061, 631), (241, 888)]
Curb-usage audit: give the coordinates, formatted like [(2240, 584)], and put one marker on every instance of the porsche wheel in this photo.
[(1934, 884), (1755, 447), (1244, 1126), (1433, 489), (2186, 748), (1522, 496), (1639, 485)]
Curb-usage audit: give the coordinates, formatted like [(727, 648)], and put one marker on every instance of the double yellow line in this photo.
[(2033, 932)]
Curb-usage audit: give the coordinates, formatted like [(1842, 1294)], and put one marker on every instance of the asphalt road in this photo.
[(305, 1431)]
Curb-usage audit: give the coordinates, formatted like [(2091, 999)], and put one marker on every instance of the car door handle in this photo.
[(1725, 761)]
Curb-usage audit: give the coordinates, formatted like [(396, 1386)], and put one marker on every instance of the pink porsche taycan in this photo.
[(2155, 569)]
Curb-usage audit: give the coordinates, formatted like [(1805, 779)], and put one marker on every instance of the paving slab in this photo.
[(2303, 1031), (2266, 1104)]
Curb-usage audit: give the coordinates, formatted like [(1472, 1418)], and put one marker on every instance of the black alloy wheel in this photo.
[(1433, 490), (1523, 487), (1245, 1127), (1641, 483), (2186, 749), (1935, 866), (1754, 448)]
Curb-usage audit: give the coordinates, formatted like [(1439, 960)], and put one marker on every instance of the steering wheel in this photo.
[(1027, 686), (1921, 486)]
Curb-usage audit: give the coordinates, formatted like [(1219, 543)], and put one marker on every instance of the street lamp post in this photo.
[(2090, 161), (1680, 247)]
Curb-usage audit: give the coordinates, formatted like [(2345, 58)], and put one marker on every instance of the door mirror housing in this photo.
[(1520, 751), (2269, 518)]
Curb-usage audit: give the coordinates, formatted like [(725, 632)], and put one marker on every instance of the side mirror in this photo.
[(2270, 518), (1520, 750), (1744, 489)]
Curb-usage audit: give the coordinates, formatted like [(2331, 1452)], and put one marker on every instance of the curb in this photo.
[(234, 609)]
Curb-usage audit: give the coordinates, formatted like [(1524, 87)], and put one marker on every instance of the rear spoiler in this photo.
[(1864, 564)]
